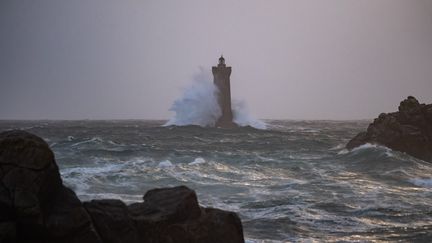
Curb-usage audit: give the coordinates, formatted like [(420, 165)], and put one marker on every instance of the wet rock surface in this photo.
[(166, 215), (409, 130), (36, 207)]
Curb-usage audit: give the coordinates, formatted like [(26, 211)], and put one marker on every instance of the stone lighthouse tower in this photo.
[(221, 74)]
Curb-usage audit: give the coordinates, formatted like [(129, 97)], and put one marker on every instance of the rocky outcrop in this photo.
[(409, 130), (166, 215), (35, 206)]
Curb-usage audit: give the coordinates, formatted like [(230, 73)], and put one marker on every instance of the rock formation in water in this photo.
[(35, 206), (221, 74), (409, 130)]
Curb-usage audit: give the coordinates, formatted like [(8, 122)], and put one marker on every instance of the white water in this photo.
[(423, 182), (165, 164), (197, 161), (242, 117), (199, 106)]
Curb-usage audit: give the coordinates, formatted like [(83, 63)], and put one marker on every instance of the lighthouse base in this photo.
[(226, 124)]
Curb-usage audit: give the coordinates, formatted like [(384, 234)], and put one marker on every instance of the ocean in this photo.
[(291, 182)]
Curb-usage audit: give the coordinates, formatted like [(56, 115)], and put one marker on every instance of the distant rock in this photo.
[(409, 130), (36, 207)]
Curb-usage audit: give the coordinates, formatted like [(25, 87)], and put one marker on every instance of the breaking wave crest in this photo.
[(242, 116), (199, 106), (423, 182)]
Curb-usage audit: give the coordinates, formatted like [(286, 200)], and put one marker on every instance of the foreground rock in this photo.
[(36, 207), (409, 130), (167, 215)]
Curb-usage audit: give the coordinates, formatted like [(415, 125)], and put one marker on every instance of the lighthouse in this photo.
[(221, 74)]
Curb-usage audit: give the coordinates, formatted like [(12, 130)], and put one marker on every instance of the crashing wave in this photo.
[(199, 106), (421, 182)]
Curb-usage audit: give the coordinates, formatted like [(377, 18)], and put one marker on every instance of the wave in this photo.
[(340, 146), (387, 165), (369, 146), (199, 106), (99, 145), (165, 164), (197, 161), (366, 147), (382, 151), (242, 117), (421, 182), (92, 140)]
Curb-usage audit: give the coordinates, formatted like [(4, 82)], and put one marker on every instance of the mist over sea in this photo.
[(293, 181)]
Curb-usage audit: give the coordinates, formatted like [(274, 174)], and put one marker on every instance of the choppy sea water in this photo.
[(293, 182)]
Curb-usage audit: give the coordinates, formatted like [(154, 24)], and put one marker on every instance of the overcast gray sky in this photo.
[(105, 59)]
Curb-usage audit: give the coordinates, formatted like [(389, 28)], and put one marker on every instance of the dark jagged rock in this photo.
[(166, 215), (68, 220), (36, 207), (168, 204), (113, 221), (409, 130)]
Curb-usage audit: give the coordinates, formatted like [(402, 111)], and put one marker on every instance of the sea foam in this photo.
[(165, 164), (197, 161), (422, 182)]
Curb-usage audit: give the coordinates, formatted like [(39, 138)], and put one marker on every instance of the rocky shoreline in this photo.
[(409, 130), (35, 206)]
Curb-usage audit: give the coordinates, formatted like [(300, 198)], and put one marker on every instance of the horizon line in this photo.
[(157, 119)]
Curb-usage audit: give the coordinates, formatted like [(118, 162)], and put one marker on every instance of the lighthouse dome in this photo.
[(221, 60)]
